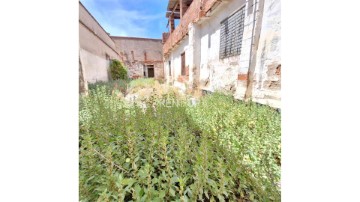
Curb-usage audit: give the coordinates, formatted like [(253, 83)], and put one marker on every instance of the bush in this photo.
[(218, 150), (117, 70)]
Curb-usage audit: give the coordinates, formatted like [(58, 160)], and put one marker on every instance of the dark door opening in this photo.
[(151, 73), (183, 64)]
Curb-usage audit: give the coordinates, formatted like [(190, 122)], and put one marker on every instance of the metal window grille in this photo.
[(231, 33)]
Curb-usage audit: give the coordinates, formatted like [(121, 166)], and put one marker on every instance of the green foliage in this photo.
[(218, 150), (111, 86), (142, 83), (117, 70)]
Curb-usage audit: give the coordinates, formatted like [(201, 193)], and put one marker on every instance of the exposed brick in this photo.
[(278, 70), (242, 77), (182, 78), (195, 11)]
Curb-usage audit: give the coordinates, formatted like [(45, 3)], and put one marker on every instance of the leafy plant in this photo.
[(117, 70), (218, 150)]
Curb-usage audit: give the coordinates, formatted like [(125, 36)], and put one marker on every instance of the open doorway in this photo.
[(183, 71), (150, 71)]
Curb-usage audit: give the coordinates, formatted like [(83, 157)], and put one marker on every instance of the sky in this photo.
[(136, 18)]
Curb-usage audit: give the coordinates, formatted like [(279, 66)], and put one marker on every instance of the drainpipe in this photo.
[(256, 31), (252, 31)]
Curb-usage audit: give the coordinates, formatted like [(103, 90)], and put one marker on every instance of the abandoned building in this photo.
[(229, 45), (142, 57), (96, 48)]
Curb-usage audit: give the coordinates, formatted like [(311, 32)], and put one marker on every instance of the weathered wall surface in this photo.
[(95, 67), (137, 53), (267, 78), (267, 75), (175, 58), (216, 73), (202, 48), (95, 46)]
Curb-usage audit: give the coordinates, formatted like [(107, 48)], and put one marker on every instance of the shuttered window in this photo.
[(231, 33)]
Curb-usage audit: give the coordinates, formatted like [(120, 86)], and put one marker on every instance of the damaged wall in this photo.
[(137, 53), (96, 48), (201, 44), (175, 57), (216, 73), (267, 75)]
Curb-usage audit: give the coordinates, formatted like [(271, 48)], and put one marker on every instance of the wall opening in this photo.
[(183, 72), (150, 70), (169, 67), (231, 33)]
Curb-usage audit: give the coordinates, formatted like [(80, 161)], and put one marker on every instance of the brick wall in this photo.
[(138, 52)]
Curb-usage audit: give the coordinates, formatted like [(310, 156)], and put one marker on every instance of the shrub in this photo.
[(117, 70), (218, 150)]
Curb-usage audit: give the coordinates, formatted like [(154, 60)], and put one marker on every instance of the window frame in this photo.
[(231, 38)]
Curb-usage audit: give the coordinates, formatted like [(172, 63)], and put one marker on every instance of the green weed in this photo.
[(218, 150)]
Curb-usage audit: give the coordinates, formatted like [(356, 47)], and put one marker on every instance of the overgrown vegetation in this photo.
[(218, 150), (142, 82), (111, 86), (117, 70)]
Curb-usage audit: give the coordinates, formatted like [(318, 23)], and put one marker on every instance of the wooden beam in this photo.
[(172, 23), (181, 8)]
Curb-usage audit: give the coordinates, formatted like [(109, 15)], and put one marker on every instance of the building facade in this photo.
[(142, 56), (96, 48), (231, 45)]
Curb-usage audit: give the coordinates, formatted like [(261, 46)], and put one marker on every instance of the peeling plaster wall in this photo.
[(175, 58), (205, 68), (267, 77), (208, 71), (246, 48), (216, 73)]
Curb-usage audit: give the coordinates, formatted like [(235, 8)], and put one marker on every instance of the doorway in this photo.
[(183, 72), (150, 70)]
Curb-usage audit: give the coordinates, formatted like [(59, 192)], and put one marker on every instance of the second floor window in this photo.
[(231, 34)]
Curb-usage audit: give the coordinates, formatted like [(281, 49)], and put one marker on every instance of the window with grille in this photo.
[(231, 33)]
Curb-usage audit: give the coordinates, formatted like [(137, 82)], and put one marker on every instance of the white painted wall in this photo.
[(202, 48), (267, 83), (95, 67), (175, 58), (203, 53), (216, 73)]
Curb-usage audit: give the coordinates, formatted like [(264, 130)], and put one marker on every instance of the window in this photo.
[(169, 67), (183, 72), (231, 32)]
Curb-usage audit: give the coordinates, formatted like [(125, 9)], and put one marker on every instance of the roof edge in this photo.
[(130, 37)]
